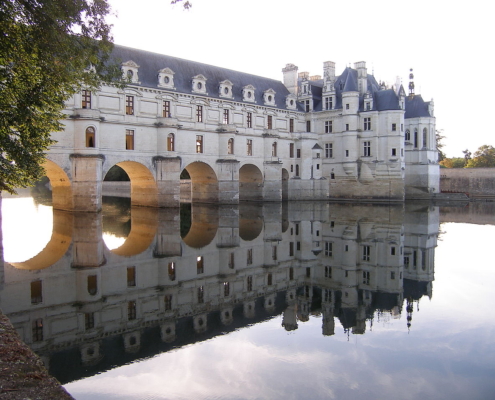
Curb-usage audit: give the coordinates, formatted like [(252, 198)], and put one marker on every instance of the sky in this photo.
[(446, 44)]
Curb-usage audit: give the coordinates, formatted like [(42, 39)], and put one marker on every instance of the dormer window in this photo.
[(290, 102), (368, 101), (225, 89), (130, 71), (269, 97), (199, 84), (166, 78), (248, 93)]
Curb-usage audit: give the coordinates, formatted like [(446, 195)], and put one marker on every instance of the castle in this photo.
[(244, 137)]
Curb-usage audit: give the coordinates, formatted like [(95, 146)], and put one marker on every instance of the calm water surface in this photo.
[(256, 302)]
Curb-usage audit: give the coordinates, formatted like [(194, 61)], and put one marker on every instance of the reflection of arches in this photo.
[(204, 183), (204, 225), (61, 186), (90, 136), (285, 184), (144, 224), (144, 191), (250, 183), (57, 246)]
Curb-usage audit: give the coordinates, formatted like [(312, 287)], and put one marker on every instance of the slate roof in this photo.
[(150, 63), (416, 107)]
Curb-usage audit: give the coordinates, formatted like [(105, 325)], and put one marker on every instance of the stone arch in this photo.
[(144, 191), (204, 226), (204, 182), (61, 186), (250, 183)]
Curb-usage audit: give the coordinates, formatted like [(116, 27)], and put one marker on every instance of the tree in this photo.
[(439, 137), (49, 49), (186, 4), (467, 156), (483, 157)]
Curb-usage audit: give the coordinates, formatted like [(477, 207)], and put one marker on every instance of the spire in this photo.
[(411, 83)]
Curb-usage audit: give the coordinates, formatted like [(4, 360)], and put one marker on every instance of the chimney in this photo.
[(290, 78), (362, 76)]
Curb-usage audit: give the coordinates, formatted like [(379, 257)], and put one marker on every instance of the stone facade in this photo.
[(242, 137)]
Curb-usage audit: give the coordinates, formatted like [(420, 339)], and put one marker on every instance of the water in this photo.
[(216, 303)]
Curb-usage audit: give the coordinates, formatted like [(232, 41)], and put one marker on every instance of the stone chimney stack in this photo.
[(328, 75), (290, 78), (362, 76)]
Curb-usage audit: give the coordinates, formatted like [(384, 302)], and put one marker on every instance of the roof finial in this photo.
[(411, 83)]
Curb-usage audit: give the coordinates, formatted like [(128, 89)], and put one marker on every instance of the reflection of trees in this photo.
[(185, 218), (117, 216)]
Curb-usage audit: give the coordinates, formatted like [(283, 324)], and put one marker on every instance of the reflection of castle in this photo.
[(95, 308)]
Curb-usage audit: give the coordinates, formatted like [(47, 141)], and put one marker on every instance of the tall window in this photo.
[(89, 320), (230, 146), (425, 134), (92, 284), (366, 253), (86, 99), (291, 273), (306, 105), (394, 127), (225, 116), (131, 310), (366, 149), (200, 264), (328, 249), (269, 122), (328, 272), (308, 126), (249, 120), (199, 113), (199, 143), (37, 327), (291, 150), (249, 283), (226, 289), (249, 147), (368, 106), (231, 260), (328, 126), (129, 139), (297, 169), (166, 109), (274, 149), (328, 150), (269, 279), (168, 302), (346, 127), (170, 142), (131, 276), (129, 105), (90, 136), (366, 277), (415, 138), (274, 252), (298, 153), (36, 292), (171, 271), (249, 260), (407, 136), (367, 124), (328, 103), (201, 294), (291, 125)]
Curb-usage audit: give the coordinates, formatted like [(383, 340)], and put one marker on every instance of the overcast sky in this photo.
[(447, 45)]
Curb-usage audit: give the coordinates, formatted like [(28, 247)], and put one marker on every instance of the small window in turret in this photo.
[(347, 106), (394, 127)]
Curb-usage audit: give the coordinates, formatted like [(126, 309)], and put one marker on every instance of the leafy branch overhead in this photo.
[(186, 4), (49, 50)]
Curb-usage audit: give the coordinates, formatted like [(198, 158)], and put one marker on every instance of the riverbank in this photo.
[(22, 373)]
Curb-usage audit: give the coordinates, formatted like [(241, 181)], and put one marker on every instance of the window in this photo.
[(306, 105), (366, 277), (291, 249), (297, 169), (199, 113), (199, 144), (170, 142), (346, 127), (291, 125), (274, 149), (129, 139), (168, 302), (328, 127), (201, 295), (367, 124), (166, 109), (328, 249), (249, 120), (368, 106), (366, 149), (366, 253), (406, 261), (298, 153), (225, 116), (292, 168), (328, 103), (347, 153), (92, 284), (392, 251), (394, 152), (415, 138), (269, 279), (231, 261), (269, 122), (249, 260), (392, 275), (249, 283), (37, 329), (226, 289), (291, 273), (90, 136), (249, 147), (394, 127), (36, 292), (291, 150), (327, 297), (347, 106), (129, 105), (131, 310), (230, 146), (308, 126), (308, 272), (332, 175), (86, 99), (298, 246), (425, 134), (200, 264), (89, 320), (402, 127), (328, 272), (407, 136), (274, 253), (171, 271), (131, 276), (328, 150)]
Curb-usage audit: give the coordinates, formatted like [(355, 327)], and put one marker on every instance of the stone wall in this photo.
[(476, 182)]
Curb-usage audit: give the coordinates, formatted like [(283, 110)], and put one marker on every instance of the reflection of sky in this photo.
[(448, 353)]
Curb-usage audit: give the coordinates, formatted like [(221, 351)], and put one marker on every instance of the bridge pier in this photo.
[(168, 171), (228, 181), (86, 182), (272, 190)]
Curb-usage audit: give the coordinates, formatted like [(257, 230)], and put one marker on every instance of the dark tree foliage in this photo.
[(49, 49), (484, 157)]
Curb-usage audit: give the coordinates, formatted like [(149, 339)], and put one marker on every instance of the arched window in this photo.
[(297, 170), (274, 149), (425, 135), (90, 136), (230, 146), (415, 138), (170, 142), (407, 137)]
